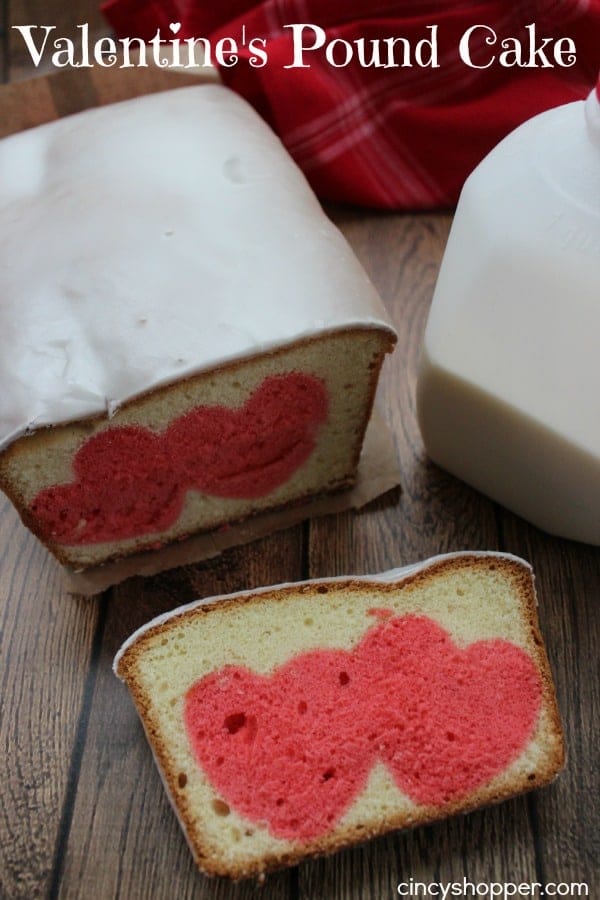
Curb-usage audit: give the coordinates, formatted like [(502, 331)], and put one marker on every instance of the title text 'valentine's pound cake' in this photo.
[(345, 708), (186, 339)]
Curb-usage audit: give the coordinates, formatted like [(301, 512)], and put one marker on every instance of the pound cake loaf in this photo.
[(299, 719), (187, 341)]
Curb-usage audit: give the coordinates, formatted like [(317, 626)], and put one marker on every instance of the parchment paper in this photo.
[(378, 472)]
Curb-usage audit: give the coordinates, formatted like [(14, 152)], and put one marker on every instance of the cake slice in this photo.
[(299, 719), (188, 340)]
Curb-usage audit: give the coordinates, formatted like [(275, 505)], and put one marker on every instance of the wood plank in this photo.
[(24, 105), (124, 840), (488, 845), (49, 637), (434, 513), (3, 41), (566, 814), (46, 641), (66, 17), (62, 93), (46, 644)]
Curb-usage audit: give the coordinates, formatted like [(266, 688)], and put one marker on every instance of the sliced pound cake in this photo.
[(299, 719), (188, 340)]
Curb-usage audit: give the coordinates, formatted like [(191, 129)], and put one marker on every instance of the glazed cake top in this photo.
[(150, 240)]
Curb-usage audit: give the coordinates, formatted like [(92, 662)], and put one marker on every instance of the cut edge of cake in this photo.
[(197, 275), (520, 776), (23, 460)]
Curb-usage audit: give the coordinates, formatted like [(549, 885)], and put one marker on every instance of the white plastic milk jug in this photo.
[(509, 386)]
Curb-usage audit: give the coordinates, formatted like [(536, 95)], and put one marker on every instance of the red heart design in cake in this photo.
[(293, 750), (250, 451), (459, 716), (124, 487), (130, 481)]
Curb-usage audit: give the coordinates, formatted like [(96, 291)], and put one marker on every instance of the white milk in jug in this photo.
[(509, 385)]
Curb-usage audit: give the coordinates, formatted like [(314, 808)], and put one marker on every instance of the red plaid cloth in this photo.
[(389, 138)]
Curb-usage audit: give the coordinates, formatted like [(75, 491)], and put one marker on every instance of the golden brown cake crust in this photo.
[(521, 579)]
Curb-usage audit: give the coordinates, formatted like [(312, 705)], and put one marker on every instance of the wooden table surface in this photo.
[(82, 809)]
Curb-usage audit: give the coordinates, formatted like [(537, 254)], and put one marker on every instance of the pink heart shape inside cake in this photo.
[(131, 481), (294, 749), (248, 452)]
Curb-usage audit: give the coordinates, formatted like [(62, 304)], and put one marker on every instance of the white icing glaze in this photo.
[(392, 575), (151, 240)]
